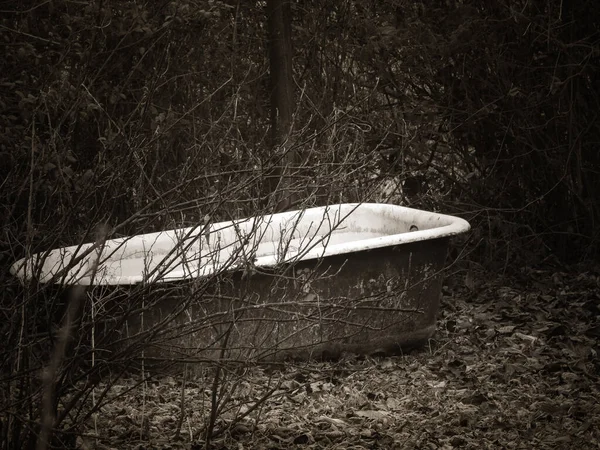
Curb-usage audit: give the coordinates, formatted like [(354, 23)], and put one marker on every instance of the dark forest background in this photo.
[(483, 109), (152, 115)]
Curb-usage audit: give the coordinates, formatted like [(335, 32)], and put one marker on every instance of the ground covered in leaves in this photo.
[(514, 365)]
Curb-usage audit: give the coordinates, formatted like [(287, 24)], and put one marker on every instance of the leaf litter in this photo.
[(514, 365)]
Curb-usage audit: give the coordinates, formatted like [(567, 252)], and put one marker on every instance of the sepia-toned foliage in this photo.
[(134, 117)]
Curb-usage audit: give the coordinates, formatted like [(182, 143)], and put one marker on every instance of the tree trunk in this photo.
[(282, 99)]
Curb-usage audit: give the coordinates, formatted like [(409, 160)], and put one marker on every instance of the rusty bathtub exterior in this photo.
[(319, 283)]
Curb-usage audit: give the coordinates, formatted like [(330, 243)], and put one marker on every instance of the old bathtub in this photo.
[(357, 278)]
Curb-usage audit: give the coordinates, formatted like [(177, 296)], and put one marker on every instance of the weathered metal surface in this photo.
[(377, 301)]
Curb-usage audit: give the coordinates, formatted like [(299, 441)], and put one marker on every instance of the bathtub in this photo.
[(321, 282)]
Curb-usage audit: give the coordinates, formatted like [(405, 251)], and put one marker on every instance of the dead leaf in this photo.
[(526, 337), (372, 414), (507, 329)]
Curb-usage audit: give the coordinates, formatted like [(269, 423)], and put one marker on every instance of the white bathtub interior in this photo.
[(259, 241)]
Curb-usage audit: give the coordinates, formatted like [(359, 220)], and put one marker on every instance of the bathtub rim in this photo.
[(448, 226)]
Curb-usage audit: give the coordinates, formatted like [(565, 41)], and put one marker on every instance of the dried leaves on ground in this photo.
[(514, 365)]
